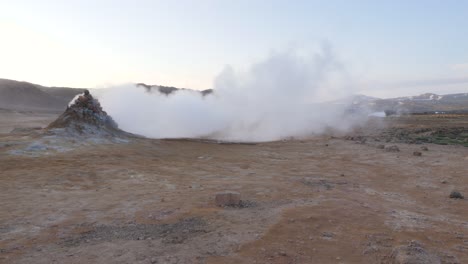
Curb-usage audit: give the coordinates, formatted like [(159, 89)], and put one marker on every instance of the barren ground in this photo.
[(320, 200), (10, 119)]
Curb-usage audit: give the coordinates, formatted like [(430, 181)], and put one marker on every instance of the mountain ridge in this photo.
[(25, 96)]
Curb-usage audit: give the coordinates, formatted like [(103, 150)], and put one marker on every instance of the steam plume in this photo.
[(279, 97)]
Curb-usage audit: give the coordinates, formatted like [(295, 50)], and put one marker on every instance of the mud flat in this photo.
[(10, 119), (319, 200)]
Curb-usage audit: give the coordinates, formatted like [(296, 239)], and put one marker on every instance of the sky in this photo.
[(390, 48)]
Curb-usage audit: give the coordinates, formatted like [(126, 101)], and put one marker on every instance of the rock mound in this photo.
[(85, 116)]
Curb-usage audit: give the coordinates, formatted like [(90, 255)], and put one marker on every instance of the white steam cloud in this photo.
[(282, 96)]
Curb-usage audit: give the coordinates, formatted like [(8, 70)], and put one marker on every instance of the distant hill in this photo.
[(169, 89), (24, 96), (424, 103)]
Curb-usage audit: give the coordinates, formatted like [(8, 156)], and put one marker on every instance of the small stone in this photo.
[(392, 148), (443, 181), (417, 153), (424, 148), (456, 195), (380, 146), (282, 253), (227, 198)]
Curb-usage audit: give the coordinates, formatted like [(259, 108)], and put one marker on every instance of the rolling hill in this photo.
[(24, 96)]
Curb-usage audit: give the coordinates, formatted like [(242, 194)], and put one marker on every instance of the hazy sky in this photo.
[(390, 48)]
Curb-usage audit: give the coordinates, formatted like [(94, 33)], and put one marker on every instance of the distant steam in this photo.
[(282, 96)]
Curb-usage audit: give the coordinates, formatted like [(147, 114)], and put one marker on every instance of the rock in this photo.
[(424, 148), (381, 146), (413, 253), (417, 153), (443, 181), (456, 195), (85, 116), (328, 235), (392, 148), (228, 198)]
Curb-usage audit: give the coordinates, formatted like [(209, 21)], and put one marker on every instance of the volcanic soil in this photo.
[(323, 199)]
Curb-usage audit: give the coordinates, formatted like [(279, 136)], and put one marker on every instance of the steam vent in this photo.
[(85, 116)]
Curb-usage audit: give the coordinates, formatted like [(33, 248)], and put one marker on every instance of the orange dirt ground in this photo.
[(319, 200)]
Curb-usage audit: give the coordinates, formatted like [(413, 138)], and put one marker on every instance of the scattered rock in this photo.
[(357, 139), (413, 253), (246, 204), (228, 198), (392, 148), (328, 235), (456, 195), (321, 183), (443, 181), (417, 153), (174, 233), (424, 148), (381, 146)]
